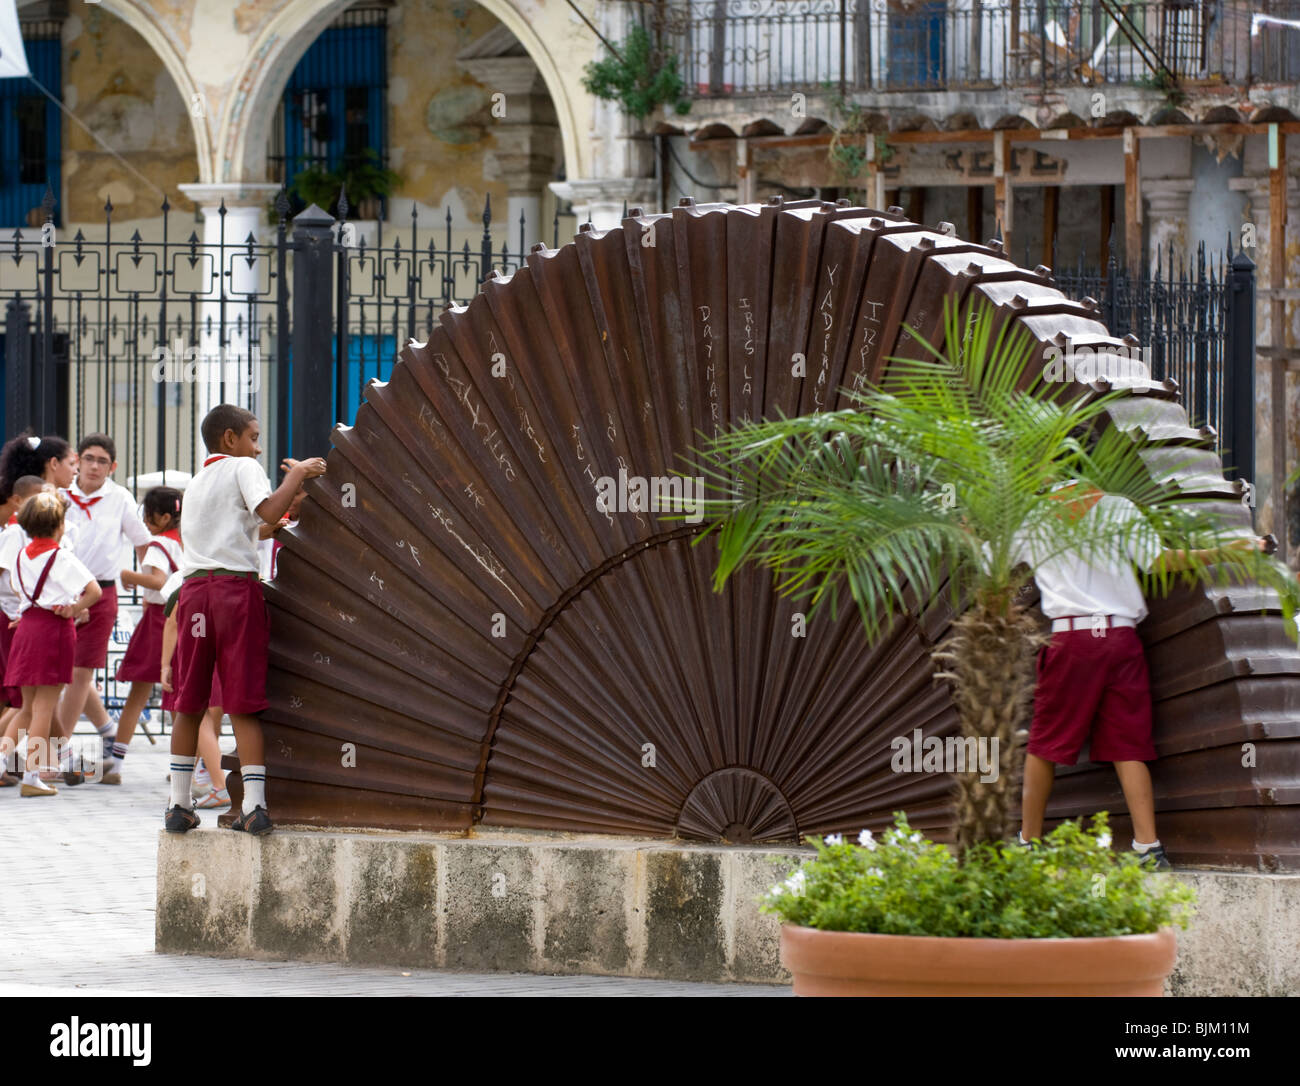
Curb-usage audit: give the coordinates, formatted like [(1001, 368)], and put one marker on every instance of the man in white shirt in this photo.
[(1092, 676), (102, 521)]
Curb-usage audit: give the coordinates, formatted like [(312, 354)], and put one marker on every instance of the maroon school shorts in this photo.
[(13, 695), (142, 661), (235, 631), (1092, 686), (93, 634), (169, 696), (41, 651)]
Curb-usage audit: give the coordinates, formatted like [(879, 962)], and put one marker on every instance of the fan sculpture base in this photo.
[(563, 904)]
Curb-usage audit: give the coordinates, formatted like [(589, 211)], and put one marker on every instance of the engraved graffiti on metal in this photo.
[(498, 646)]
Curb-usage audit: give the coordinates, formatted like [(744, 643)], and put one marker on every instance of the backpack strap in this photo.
[(166, 554), (40, 581)]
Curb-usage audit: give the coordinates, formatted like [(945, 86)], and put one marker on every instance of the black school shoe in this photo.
[(1154, 859), (257, 823), (179, 820)]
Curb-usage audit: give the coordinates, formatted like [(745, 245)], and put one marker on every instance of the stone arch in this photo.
[(159, 37), (280, 44)]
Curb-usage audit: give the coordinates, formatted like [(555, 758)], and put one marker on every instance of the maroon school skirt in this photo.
[(142, 661), (41, 651), (92, 636), (13, 695)]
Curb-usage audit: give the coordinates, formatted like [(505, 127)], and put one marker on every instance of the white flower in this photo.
[(915, 838), (1103, 839), (795, 883), (867, 841), (876, 872), (777, 889), (834, 839)]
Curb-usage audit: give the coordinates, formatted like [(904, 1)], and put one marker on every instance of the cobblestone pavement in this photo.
[(77, 878)]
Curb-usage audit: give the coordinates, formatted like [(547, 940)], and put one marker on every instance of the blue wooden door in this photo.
[(916, 46), (30, 127)]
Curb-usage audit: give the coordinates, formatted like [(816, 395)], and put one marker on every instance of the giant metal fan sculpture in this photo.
[(500, 647)]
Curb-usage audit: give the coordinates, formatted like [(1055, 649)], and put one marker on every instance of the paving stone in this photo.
[(77, 893)]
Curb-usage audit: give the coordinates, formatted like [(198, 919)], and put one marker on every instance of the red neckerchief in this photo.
[(13, 519), (40, 546), (172, 533), (84, 504), (213, 459)]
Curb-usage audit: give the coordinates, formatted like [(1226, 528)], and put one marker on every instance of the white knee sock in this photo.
[(254, 778), (182, 776)]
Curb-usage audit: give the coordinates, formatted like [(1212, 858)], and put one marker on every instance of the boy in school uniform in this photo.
[(1092, 675), (139, 665), (222, 627), (101, 520)]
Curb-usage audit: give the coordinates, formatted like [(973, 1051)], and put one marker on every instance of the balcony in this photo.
[(730, 48)]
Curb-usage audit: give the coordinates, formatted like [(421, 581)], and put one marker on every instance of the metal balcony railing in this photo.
[(740, 47)]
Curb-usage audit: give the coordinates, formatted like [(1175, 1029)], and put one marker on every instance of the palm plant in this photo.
[(930, 488)]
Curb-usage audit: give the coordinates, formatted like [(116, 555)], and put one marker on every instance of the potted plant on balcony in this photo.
[(915, 494), (360, 178)]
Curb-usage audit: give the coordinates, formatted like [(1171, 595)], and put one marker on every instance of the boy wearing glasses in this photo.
[(102, 522)]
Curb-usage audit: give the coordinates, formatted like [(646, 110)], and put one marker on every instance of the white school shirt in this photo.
[(266, 555), (12, 540), (97, 532), (68, 578), (1103, 584), (220, 524), (154, 560)]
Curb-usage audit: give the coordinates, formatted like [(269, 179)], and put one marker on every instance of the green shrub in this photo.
[(1071, 885)]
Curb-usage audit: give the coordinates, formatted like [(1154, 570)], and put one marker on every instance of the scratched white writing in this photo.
[(710, 368), (492, 439), (481, 554)]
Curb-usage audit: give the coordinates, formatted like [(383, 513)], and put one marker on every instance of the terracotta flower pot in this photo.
[(828, 963)]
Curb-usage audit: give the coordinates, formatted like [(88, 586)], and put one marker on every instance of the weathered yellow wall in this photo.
[(115, 83), (439, 115), (439, 119)]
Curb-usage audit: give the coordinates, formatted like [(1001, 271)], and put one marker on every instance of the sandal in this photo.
[(218, 797)]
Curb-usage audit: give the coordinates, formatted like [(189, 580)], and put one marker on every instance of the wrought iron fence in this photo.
[(1194, 316), (136, 335), (738, 47)]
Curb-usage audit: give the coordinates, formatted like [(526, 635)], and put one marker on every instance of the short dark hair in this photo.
[(102, 440), (223, 417), (41, 515), (27, 485)]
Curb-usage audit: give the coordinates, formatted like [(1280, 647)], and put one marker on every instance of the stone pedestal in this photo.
[(564, 903)]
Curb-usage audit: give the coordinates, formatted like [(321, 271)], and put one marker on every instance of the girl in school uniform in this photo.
[(12, 540), (140, 665), (53, 589)]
